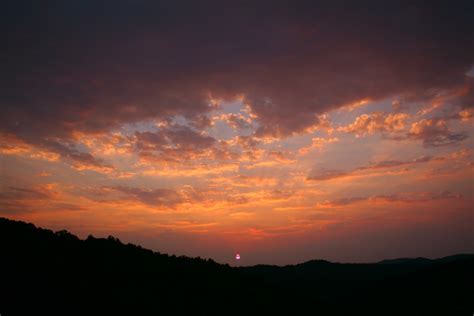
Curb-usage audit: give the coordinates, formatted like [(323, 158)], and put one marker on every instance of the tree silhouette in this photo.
[(49, 273)]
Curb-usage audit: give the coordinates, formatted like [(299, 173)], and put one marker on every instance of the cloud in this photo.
[(355, 105), (52, 150), (235, 120), (457, 102), (14, 193), (376, 122), (95, 67), (79, 160), (282, 156), (280, 194), (434, 133), (317, 142), (12, 145), (161, 197), (150, 141), (155, 197), (323, 174), (384, 164), (185, 137), (466, 115), (25, 199), (252, 181), (69, 207), (175, 143), (249, 146), (238, 199), (399, 197)]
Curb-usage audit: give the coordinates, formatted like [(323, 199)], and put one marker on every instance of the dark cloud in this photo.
[(239, 199), (69, 207), (80, 160), (155, 197), (280, 194), (150, 140), (14, 193), (160, 197), (177, 136), (467, 101), (399, 163), (175, 143), (432, 132), (401, 197), (322, 174), (435, 133), (92, 66), (53, 149), (345, 201), (15, 200), (185, 137), (236, 121), (247, 142)]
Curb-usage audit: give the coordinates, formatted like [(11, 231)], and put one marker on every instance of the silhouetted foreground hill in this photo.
[(47, 273)]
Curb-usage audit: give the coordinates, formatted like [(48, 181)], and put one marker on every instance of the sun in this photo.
[(237, 256)]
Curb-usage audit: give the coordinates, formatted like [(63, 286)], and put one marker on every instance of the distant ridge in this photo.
[(421, 260), (45, 272), (320, 262)]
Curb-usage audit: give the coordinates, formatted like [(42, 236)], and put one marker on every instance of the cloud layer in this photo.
[(93, 66)]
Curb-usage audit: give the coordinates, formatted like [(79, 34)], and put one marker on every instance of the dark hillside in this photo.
[(47, 273)]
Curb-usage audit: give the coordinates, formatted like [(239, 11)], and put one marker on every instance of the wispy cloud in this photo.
[(393, 198)]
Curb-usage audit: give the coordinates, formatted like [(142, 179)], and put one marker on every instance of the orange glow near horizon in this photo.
[(237, 192)]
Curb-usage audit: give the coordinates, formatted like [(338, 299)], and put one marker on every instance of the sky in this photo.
[(281, 130)]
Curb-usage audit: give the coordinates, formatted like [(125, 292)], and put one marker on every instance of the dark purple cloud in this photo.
[(91, 66), (14, 193), (159, 197), (155, 197), (401, 197), (435, 133), (15, 200), (174, 143), (322, 174)]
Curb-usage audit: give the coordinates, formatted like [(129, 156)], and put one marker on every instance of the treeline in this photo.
[(56, 273)]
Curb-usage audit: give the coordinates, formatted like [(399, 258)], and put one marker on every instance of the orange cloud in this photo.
[(355, 105), (12, 145), (434, 133), (235, 120), (367, 124), (317, 142)]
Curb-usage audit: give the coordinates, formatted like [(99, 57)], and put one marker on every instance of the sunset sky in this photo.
[(282, 130)]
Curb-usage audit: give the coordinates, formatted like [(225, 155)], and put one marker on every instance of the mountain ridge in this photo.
[(55, 272), (65, 234)]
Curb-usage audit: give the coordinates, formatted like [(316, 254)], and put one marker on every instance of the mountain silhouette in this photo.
[(56, 273)]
